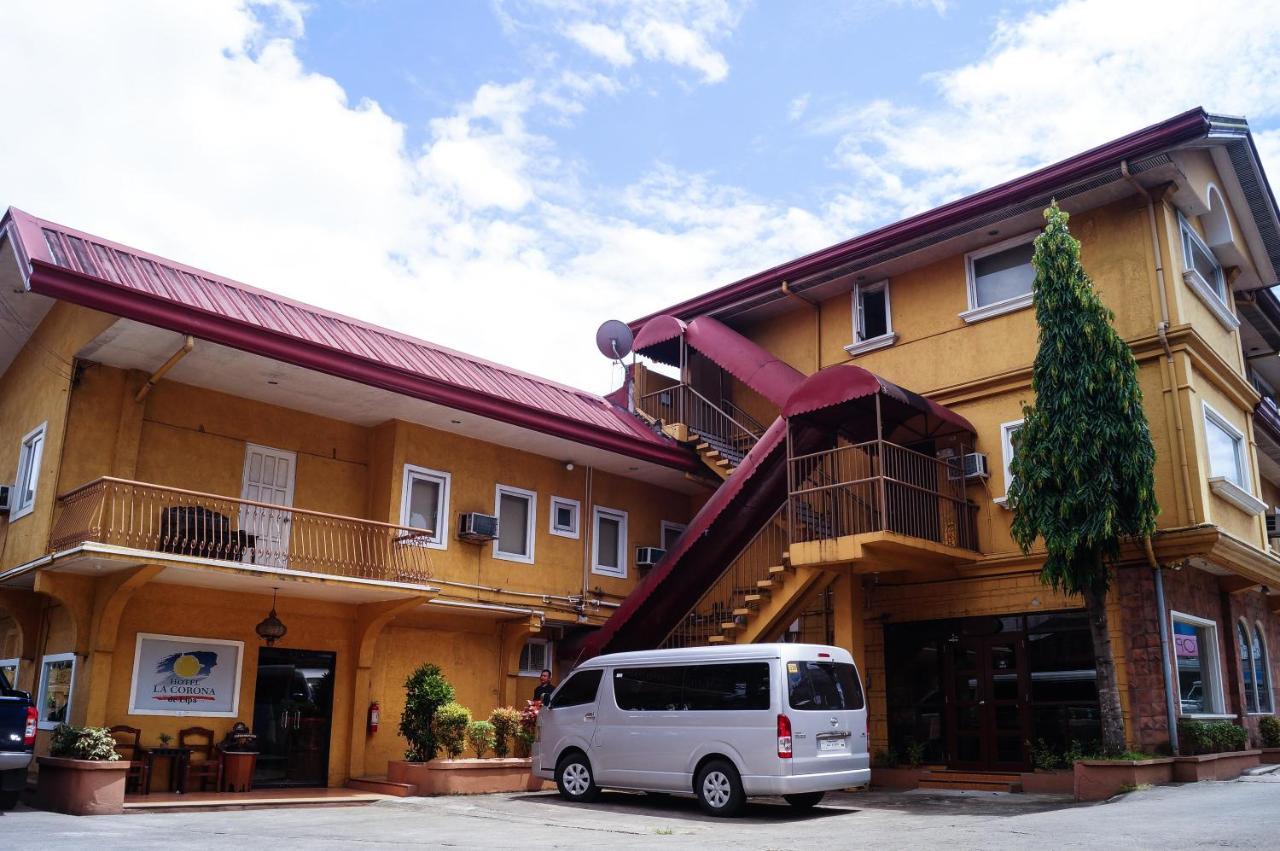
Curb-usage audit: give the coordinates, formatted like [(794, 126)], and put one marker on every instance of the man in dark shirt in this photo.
[(545, 687)]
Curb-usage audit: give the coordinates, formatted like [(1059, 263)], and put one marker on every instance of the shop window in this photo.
[(515, 509), (1000, 277), (872, 318), (425, 504), (1255, 668), (610, 545), (564, 517), (1195, 649), (535, 657), (671, 533), (30, 454), (53, 697)]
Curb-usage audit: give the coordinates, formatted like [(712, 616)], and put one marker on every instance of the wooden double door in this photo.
[(988, 702)]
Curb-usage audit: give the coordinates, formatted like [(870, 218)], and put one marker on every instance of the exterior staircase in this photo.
[(975, 781)]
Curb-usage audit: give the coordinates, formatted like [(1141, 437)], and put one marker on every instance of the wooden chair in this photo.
[(127, 746), (206, 769)]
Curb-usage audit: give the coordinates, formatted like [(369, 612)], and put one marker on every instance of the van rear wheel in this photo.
[(575, 780), (804, 801), (719, 789)]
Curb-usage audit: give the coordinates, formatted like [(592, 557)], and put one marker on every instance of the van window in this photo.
[(577, 690), (648, 689), (693, 688), (823, 686)]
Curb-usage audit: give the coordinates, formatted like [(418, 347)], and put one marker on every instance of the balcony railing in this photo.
[(680, 403), (880, 487), (171, 520)]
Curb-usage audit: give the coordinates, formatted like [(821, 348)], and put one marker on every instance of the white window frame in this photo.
[(546, 657), (1254, 632), (439, 539), (598, 511), (14, 662), (44, 682), (880, 341), (1210, 665), (977, 312), (1215, 294), (1238, 494), (558, 502), (670, 525), (28, 469), (531, 526), (1006, 452)]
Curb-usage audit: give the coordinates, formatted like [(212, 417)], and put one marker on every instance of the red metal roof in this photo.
[(835, 385), (68, 264)]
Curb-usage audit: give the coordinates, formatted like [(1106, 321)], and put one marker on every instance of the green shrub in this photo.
[(915, 754), (1044, 757), (886, 759), (528, 732), (1269, 728), (481, 737), (450, 728), (95, 743), (1205, 737), (506, 723), (426, 691)]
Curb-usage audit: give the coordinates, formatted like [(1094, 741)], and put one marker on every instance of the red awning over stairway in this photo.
[(823, 395)]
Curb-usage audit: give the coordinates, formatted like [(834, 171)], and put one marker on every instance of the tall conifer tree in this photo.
[(1083, 464)]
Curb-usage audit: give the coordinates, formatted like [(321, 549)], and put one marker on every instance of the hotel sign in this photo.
[(176, 675)]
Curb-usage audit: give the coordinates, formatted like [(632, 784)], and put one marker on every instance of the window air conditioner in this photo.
[(6, 498), (1273, 524), (649, 556), (476, 527), (971, 465)]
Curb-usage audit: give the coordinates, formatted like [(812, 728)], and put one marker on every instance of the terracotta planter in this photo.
[(81, 787), (237, 771), (1214, 766), (465, 776), (1099, 779), (1057, 782), (896, 778), (1271, 756)]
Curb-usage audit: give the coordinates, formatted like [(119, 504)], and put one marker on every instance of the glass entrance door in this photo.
[(987, 701), (292, 714)]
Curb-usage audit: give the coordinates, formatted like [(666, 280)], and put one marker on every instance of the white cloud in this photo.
[(605, 42), (798, 106), (1053, 83), (196, 133)]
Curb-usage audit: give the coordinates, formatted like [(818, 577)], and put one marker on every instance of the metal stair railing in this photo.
[(681, 404)]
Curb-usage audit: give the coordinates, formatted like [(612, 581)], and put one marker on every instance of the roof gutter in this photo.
[(98, 294)]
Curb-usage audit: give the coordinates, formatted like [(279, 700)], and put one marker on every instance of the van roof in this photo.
[(731, 653)]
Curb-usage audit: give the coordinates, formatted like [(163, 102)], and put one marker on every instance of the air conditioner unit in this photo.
[(6, 498), (971, 465), (649, 556), (1273, 524), (476, 527)]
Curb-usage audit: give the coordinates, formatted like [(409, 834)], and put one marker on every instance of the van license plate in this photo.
[(832, 744)]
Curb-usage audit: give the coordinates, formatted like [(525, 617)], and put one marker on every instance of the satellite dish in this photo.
[(614, 339)]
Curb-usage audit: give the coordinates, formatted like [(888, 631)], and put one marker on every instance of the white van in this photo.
[(725, 723)]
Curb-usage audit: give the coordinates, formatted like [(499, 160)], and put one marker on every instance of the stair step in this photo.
[(743, 612), (971, 785), (986, 776), (383, 786), (719, 639), (755, 598), (779, 569), (722, 462), (766, 583), (729, 626)]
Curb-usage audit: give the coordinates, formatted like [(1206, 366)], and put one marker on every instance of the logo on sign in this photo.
[(182, 677)]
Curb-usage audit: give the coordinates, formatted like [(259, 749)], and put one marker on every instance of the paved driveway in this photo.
[(1237, 814)]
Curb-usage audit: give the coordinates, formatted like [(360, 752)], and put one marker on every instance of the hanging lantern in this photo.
[(270, 629)]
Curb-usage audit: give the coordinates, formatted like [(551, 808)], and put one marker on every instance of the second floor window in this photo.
[(872, 319), (610, 542), (1226, 449), (1001, 275), (1198, 257), (29, 457), (515, 510), (426, 503), (1007, 434), (564, 517)]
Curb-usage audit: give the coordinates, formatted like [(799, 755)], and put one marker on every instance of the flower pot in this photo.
[(1099, 779), (1214, 766), (81, 787), (237, 771), (1056, 782), (465, 776)]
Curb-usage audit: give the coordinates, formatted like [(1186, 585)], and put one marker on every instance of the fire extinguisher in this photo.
[(375, 715)]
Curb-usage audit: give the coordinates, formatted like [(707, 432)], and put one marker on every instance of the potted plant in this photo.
[(1098, 777), (165, 739), (83, 775), (1269, 731)]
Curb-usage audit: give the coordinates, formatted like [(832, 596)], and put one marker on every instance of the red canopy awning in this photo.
[(823, 394)]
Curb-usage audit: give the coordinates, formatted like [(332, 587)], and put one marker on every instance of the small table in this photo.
[(178, 759)]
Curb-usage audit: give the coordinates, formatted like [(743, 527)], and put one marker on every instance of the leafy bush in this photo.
[(1269, 727), (1044, 757), (95, 743), (528, 731), (1205, 737), (480, 736), (506, 723), (450, 727), (426, 691), (886, 758), (915, 754)]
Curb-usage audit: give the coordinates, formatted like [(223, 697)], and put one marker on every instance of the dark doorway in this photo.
[(292, 716), (986, 702)]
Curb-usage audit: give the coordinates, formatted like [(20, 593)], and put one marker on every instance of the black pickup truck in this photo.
[(17, 739)]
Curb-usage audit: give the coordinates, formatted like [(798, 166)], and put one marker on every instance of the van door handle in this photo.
[(590, 716)]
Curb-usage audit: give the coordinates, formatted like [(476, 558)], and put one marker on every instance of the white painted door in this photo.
[(268, 478)]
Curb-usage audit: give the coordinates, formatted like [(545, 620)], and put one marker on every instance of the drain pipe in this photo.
[(1166, 668), (187, 345)]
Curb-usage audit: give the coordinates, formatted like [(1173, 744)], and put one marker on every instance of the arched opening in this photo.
[(1216, 224)]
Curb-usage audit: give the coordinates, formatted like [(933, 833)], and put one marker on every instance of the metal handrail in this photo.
[(159, 518), (681, 403)]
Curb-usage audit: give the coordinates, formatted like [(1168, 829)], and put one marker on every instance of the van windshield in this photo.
[(823, 686)]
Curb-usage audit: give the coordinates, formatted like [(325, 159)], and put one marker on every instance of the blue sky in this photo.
[(502, 176)]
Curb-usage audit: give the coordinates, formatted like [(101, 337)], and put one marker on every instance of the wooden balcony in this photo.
[(879, 506), (136, 516)]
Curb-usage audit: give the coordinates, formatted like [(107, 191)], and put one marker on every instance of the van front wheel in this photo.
[(805, 801), (574, 779), (719, 789)]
